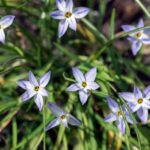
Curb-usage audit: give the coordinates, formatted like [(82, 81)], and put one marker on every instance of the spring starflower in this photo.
[(138, 38), (138, 101), (5, 22), (68, 15), (62, 118), (35, 88), (117, 115), (84, 83)]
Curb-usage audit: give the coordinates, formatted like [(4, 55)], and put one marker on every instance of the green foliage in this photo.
[(32, 44)]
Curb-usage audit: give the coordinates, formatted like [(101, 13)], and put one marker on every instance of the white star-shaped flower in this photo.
[(62, 117), (85, 83), (35, 88), (5, 22), (138, 38), (68, 15), (117, 115), (138, 101)]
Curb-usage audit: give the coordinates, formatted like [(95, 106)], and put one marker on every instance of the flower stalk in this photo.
[(44, 124)]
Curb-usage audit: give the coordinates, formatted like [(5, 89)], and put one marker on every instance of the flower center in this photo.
[(36, 88), (62, 117), (119, 113), (68, 14), (140, 100), (138, 35), (84, 84)]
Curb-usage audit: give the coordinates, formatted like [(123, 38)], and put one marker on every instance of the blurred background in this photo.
[(32, 44)]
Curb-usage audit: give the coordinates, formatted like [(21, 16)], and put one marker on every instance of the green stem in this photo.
[(40, 42), (98, 34), (68, 79), (44, 138), (134, 123), (14, 129), (127, 127), (132, 117), (127, 141), (39, 56), (59, 137), (143, 8)]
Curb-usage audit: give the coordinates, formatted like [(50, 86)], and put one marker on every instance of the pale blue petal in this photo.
[(83, 97), (110, 118), (91, 75), (6, 21), (141, 23), (39, 101), (69, 5), (80, 12), (61, 4), (58, 15), (121, 125), (57, 111), (147, 92), (127, 28), (143, 114), (129, 97), (73, 87), (127, 115), (78, 75), (131, 39), (146, 41), (112, 104), (147, 31), (137, 92), (146, 104), (129, 120), (43, 92), (45, 79), (53, 124), (73, 121), (72, 23), (136, 46), (134, 106), (27, 95), (65, 123), (32, 79), (63, 26), (2, 36), (25, 85), (92, 86)]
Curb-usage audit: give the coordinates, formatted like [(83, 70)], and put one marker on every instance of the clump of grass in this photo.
[(32, 44)]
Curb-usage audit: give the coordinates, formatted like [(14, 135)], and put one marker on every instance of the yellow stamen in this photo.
[(68, 14), (36, 88), (119, 113), (140, 100), (63, 117), (138, 35), (84, 84)]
